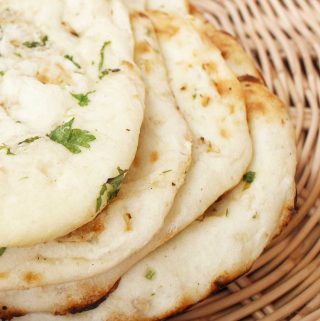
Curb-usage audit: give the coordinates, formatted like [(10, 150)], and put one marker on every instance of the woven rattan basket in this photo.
[(283, 36)]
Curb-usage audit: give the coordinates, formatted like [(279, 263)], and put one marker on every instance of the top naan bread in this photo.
[(221, 154), (148, 191), (71, 108)]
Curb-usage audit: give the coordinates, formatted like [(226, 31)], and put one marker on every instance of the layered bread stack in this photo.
[(143, 161)]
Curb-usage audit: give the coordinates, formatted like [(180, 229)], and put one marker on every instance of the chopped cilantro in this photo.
[(83, 99), (70, 58), (107, 71), (255, 216), (7, 148), (249, 177), (34, 44), (29, 140), (110, 189), (101, 62), (71, 138), (44, 39), (2, 250), (150, 274)]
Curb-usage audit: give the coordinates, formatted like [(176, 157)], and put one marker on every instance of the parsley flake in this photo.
[(83, 99), (71, 59), (7, 148), (2, 250), (101, 62), (29, 140), (34, 44), (150, 274), (248, 178), (2, 73), (71, 138), (106, 71), (255, 216), (168, 171), (110, 189)]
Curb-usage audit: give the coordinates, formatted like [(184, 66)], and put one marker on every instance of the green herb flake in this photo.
[(150, 274), (34, 44), (29, 140), (107, 71), (110, 189), (18, 54), (2, 250), (248, 178), (2, 73), (71, 59), (7, 148), (44, 40), (83, 99), (194, 96), (255, 216), (218, 213), (168, 171), (71, 138), (101, 62)]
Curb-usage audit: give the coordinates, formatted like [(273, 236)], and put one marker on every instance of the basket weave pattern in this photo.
[(284, 39)]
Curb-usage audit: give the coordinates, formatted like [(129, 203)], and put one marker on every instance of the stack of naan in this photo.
[(143, 161)]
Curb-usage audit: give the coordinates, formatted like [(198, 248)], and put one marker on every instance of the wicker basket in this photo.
[(284, 38)]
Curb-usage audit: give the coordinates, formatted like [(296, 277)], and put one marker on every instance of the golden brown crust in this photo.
[(87, 232), (166, 26)]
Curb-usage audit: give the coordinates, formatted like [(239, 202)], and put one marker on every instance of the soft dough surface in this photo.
[(148, 192), (221, 150), (52, 52)]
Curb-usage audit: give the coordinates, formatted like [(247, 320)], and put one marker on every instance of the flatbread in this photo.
[(180, 7), (228, 238), (215, 159), (135, 5), (162, 160), (232, 52), (69, 91)]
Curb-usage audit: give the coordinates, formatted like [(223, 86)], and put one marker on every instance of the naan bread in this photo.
[(224, 243), (163, 157), (180, 7), (221, 154), (135, 5), (71, 110)]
